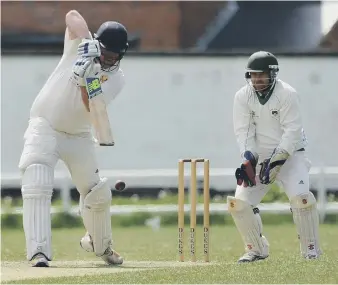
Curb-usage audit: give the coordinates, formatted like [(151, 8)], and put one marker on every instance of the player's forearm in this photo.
[(77, 25)]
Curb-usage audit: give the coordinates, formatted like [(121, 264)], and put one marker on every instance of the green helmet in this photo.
[(263, 61)]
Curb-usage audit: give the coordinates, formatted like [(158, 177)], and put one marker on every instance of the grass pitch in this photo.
[(151, 257)]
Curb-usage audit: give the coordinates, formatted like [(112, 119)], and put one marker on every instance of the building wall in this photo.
[(161, 25), (49, 18), (196, 15)]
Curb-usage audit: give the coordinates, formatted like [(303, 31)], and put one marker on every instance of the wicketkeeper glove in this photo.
[(271, 167), (246, 173)]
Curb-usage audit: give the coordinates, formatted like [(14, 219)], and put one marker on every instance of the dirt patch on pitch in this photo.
[(11, 271)]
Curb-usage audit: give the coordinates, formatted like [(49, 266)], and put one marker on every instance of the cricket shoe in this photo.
[(313, 254), (112, 257), (251, 256), (40, 260)]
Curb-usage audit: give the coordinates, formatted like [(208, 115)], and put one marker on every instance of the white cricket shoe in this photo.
[(313, 254), (112, 257), (251, 256), (40, 260)]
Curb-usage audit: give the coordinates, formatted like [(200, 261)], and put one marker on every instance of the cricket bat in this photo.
[(98, 111)]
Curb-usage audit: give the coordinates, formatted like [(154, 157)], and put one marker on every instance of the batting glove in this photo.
[(89, 48), (81, 66), (85, 67)]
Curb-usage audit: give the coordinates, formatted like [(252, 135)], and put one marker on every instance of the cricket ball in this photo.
[(120, 185)]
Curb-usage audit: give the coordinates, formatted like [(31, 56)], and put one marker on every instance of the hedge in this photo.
[(65, 220)]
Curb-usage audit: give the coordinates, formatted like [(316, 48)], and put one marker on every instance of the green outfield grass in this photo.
[(139, 244)]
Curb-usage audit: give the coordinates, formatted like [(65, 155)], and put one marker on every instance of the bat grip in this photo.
[(96, 59)]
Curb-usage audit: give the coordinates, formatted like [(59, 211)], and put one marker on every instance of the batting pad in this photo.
[(37, 190), (96, 216), (305, 216), (248, 224)]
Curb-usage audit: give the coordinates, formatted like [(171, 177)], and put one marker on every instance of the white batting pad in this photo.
[(248, 224), (37, 190), (305, 216), (96, 216)]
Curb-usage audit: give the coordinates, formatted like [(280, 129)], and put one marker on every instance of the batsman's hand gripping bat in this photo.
[(98, 110)]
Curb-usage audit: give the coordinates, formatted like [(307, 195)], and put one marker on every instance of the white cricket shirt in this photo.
[(60, 101), (262, 128)]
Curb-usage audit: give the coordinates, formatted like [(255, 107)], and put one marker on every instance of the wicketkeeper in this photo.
[(268, 127)]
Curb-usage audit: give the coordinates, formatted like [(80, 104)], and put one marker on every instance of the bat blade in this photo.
[(98, 112)]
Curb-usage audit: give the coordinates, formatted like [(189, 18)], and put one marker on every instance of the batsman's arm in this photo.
[(78, 29), (77, 25), (291, 122), (244, 127)]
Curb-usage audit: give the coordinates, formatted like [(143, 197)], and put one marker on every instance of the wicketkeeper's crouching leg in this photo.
[(249, 225), (95, 212), (305, 216)]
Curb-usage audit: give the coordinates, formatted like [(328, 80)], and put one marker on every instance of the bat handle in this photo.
[(90, 35), (96, 59)]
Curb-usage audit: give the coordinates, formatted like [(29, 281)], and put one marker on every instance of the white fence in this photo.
[(321, 178)]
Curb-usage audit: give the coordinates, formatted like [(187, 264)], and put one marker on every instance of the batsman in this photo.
[(60, 128), (268, 128)]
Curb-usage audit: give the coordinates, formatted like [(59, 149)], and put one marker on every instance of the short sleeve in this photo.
[(112, 85)]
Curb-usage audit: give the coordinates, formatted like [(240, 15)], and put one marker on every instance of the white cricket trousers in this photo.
[(44, 145)]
